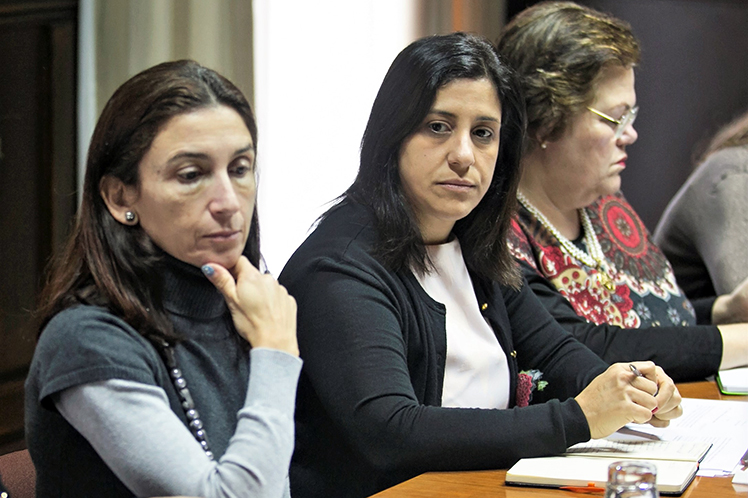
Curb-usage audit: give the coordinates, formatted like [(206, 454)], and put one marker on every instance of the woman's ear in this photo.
[(541, 138), (119, 199)]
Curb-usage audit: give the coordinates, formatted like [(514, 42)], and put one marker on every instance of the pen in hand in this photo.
[(639, 374)]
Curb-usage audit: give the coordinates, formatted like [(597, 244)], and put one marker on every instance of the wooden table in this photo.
[(491, 482)]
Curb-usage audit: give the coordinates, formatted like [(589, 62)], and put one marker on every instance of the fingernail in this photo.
[(208, 270), (655, 409)]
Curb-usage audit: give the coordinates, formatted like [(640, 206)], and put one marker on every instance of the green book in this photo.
[(733, 381)]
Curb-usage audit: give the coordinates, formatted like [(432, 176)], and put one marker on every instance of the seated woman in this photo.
[(152, 377), (414, 323), (704, 229), (582, 247)]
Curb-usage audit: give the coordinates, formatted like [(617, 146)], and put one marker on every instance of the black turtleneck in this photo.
[(187, 293), (210, 347)]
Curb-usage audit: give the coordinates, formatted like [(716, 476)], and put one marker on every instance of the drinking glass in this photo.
[(629, 479)]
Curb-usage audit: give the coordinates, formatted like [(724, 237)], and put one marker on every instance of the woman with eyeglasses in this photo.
[(581, 245)]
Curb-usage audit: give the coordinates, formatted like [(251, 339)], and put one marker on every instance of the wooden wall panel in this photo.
[(37, 176)]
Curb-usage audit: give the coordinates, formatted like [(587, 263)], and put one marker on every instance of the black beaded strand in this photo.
[(188, 405)]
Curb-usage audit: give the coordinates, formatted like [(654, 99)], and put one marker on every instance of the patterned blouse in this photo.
[(645, 293)]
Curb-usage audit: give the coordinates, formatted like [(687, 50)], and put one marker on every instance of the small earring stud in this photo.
[(129, 216), (544, 145)]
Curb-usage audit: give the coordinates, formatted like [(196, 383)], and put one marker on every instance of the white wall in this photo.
[(318, 66)]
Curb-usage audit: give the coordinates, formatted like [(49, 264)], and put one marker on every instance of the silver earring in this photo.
[(129, 216)]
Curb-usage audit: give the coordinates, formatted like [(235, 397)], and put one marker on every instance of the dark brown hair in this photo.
[(404, 99), (559, 50), (109, 264)]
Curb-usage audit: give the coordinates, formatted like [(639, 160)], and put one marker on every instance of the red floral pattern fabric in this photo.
[(645, 292)]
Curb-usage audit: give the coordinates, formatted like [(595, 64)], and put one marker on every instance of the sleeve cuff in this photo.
[(273, 377), (577, 430)]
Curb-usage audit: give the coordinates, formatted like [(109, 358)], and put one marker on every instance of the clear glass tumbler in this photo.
[(630, 478)]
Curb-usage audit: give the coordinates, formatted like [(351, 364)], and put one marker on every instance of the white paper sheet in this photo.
[(720, 422), (741, 477)]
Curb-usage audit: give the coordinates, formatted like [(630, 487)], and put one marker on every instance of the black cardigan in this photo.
[(368, 409)]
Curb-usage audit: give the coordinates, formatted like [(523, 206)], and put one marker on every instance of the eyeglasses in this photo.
[(621, 124)]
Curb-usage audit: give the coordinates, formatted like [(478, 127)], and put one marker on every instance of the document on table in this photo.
[(722, 423)]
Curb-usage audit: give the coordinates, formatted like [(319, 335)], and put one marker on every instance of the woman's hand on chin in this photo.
[(619, 396), (263, 312)]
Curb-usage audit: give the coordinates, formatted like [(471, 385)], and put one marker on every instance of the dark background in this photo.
[(37, 176)]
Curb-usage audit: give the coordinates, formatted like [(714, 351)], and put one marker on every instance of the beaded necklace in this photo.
[(185, 398), (593, 259)]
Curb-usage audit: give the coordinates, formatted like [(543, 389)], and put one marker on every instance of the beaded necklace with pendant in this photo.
[(594, 259)]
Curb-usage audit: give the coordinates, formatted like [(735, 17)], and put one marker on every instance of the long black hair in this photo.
[(107, 263), (404, 99)]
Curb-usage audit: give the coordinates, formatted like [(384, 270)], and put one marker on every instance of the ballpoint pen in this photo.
[(639, 374)]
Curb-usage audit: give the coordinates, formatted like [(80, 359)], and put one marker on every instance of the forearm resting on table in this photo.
[(734, 345)]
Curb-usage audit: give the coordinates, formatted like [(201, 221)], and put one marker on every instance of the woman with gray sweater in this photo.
[(167, 362)]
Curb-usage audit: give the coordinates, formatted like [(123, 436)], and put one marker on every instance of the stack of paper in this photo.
[(722, 423)]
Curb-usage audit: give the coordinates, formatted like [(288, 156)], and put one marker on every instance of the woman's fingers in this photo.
[(638, 392), (645, 376), (667, 415), (244, 268), (669, 398), (656, 422), (263, 312), (222, 279), (643, 399), (619, 396)]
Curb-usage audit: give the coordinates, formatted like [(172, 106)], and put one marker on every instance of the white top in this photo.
[(476, 373)]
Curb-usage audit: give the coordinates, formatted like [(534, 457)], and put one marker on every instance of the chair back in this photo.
[(18, 474)]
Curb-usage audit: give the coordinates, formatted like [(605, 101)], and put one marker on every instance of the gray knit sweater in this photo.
[(704, 230), (103, 418)]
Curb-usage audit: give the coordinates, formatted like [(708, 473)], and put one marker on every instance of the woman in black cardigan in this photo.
[(421, 343)]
